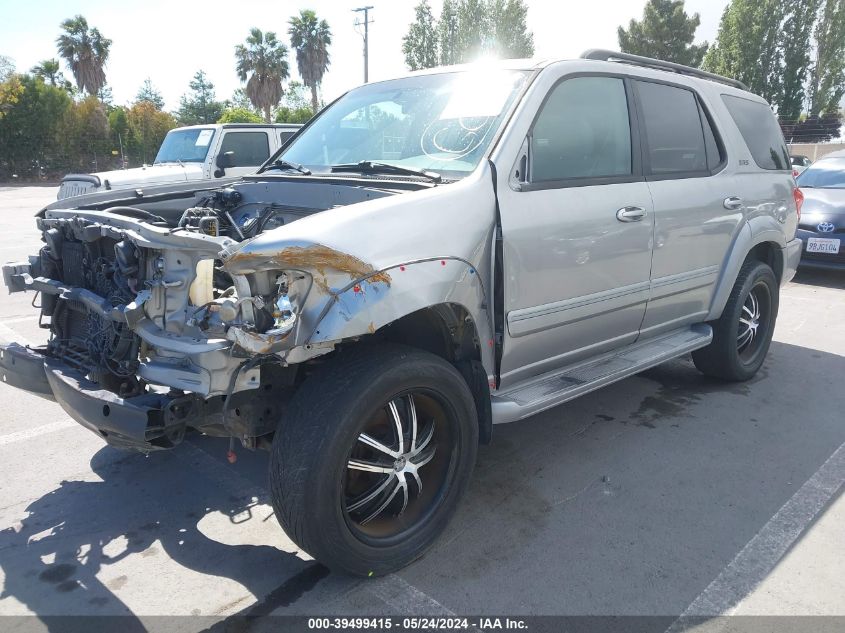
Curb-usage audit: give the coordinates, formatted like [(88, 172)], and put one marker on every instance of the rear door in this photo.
[(576, 230), (694, 220)]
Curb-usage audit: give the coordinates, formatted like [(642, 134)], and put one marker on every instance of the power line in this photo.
[(366, 24)]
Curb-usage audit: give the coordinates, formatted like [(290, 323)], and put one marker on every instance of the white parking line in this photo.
[(404, 597), (760, 555), (28, 434)]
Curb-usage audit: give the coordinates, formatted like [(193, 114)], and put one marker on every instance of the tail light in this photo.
[(798, 196), (795, 173)]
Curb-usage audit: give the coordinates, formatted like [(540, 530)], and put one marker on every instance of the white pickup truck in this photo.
[(196, 152)]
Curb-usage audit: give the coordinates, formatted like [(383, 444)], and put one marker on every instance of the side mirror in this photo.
[(224, 161)]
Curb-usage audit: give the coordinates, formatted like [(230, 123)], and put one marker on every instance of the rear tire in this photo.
[(372, 458), (742, 335)]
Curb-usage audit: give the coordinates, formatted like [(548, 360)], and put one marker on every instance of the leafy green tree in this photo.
[(147, 128), (200, 105), (50, 71), (420, 45), (447, 33), (7, 67), (295, 96), (11, 89), (311, 37), (508, 29), (86, 51), (749, 47), (797, 29), (285, 114), (473, 29), (29, 124), (665, 32), (105, 95), (147, 92), (84, 137), (119, 130), (263, 65), (827, 76), (240, 100), (240, 115), (466, 30), (295, 106)]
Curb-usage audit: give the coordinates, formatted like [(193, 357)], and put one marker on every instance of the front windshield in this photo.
[(185, 146), (442, 123), (828, 173)]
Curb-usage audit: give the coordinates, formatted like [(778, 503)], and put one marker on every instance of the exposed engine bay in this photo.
[(139, 303)]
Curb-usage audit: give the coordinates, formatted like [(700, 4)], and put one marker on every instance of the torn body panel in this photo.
[(378, 261), (137, 306)]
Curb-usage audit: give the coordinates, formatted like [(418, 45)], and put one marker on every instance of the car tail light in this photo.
[(798, 196), (795, 173)]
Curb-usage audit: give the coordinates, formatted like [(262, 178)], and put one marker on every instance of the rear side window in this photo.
[(757, 124), (583, 131), (674, 134), (251, 148)]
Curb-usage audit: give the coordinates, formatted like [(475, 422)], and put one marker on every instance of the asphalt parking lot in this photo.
[(663, 494)]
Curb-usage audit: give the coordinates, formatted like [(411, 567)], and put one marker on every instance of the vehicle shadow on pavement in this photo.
[(68, 556), (631, 500), (679, 471), (827, 278)]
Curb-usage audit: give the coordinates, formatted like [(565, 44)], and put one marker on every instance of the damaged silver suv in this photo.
[(428, 257)]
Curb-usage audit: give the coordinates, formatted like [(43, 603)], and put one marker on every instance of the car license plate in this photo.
[(822, 245)]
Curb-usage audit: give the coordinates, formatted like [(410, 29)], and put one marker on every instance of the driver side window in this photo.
[(583, 131), (251, 148)]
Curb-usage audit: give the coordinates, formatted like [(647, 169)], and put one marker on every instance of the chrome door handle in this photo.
[(733, 203), (630, 214)]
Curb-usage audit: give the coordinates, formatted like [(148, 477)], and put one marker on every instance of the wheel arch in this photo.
[(762, 242), (451, 331)]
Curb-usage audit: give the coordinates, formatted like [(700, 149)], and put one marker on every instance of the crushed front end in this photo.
[(149, 336)]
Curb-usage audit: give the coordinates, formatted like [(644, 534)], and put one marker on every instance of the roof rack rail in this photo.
[(647, 62)]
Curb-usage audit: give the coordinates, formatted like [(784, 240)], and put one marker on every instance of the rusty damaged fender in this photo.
[(372, 263)]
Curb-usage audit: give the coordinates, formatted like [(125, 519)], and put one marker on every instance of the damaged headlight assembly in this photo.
[(275, 318)]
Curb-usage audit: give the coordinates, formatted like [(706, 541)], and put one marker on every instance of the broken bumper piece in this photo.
[(146, 423)]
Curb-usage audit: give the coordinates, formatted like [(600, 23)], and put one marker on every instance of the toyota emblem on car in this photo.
[(826, 227)]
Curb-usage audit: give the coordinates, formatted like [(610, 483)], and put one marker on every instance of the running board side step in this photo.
[(554, 388)]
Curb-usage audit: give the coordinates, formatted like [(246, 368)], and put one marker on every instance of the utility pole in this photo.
[(366, 24)]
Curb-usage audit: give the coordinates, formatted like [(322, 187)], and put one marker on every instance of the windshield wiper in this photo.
[(284, 164), (372, 167)]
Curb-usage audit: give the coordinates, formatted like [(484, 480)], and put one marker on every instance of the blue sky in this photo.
[(168, 41)]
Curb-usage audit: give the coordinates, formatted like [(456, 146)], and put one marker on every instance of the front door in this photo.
[(577, 231), (251, 148)]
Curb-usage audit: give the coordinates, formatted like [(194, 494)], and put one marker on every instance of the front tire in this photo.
[(372, 458), (742, 335)]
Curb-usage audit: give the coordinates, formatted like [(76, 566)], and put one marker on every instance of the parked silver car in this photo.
[(429, 256), (822, 222)]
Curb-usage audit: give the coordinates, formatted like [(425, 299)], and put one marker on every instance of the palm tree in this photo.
[(311, 37), (86, 52), (49, 71), (263, 65)]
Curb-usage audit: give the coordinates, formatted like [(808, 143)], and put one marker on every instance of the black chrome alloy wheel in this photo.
[(398, 466), (754, 322), (373, 456)]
